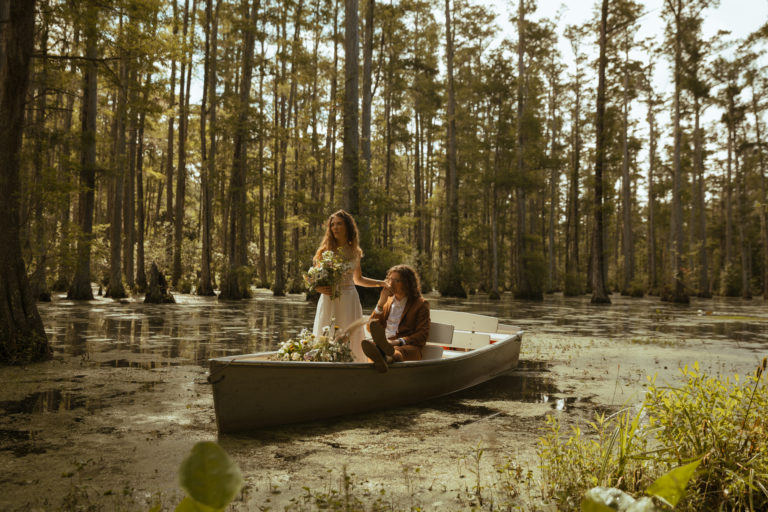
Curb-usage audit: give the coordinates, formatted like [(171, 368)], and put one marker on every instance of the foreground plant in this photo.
[(210, 477), (722, 422)]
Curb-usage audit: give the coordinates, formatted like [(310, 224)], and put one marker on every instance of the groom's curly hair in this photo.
[(410, 279)]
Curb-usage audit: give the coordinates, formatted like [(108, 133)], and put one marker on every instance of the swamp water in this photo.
[(126, 397)]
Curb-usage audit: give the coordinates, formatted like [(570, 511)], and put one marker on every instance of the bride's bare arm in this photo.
[(357, 275)]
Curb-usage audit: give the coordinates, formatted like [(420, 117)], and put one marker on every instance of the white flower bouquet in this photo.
[(329, 271), (331, 346)]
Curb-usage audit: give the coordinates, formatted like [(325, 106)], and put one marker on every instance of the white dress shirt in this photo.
[(395, 315)]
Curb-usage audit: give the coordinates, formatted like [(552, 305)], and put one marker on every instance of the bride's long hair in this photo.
[(329, 241)]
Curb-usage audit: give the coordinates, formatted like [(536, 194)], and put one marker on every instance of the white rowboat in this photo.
[(251, 391)]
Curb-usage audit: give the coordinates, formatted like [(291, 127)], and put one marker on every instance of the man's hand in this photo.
[(385, 293)]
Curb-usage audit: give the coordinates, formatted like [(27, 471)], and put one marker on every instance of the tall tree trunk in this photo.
[(22, 336), (698, 164), (263, 279), (679, 293), (744, 245), (171, 120), (141, 275), (599, 295), (39, 280), (572, 282), (234, 286), (450, 280), (365, 136), (181, 174), (554, 178), (115, 289), (350, 164), (763, 193), (80, 288), (278, 288), (330, 135), (526, 288), (627, 242), (653, 283), (208, 166), (129, 189), (65, 270)]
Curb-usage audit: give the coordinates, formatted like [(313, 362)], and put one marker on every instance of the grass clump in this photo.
[(721, 421)]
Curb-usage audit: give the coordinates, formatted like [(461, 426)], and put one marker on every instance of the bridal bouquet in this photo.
[(328, 272), (331, 346)]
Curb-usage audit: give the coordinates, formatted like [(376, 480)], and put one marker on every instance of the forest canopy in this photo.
[(214, 138)]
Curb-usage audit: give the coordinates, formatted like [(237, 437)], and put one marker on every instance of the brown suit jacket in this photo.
[(414, 324)]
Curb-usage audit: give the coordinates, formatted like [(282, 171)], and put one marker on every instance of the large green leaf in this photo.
[(209, 476), (671, 486)]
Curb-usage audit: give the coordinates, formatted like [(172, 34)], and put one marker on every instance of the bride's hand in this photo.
[(325, 290)]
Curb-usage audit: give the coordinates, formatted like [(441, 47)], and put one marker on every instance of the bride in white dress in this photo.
[(346, 309)]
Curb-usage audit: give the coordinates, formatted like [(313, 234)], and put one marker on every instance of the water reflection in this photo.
[(52, 400), (198, 328)]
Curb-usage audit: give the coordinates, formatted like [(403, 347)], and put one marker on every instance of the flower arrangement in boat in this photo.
[(328, 271), (330, 346)]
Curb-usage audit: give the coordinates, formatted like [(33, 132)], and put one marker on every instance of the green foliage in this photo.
[(724, 421), (573, 284), (210, 477), (717, 423), (730, 281), (613, 457), (636, 288)]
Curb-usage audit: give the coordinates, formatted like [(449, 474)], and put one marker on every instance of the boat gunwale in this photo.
[(240, 360)]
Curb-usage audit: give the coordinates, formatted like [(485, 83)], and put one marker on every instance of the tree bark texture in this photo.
[(22, 337)]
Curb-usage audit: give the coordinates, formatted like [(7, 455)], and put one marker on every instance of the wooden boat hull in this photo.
[(251, 392)]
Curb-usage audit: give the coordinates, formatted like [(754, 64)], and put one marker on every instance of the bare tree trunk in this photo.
[(599, 295), (572, 282), (141, 275), (450, 282), (262, 240), (330, 135), (278, 288), (205, 286), (367, 85), (171, 119), (22, 336), (234, 286), (627, 245), (350, 163), (129, 190), (80, 288), (115, 289), (698, 164), (763, 194), (652, 272), (39, 279)]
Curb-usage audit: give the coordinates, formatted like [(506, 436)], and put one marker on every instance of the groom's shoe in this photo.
[(380, 338), (375, 355)]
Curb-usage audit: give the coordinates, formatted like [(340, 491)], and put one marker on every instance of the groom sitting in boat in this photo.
[(400, 323)]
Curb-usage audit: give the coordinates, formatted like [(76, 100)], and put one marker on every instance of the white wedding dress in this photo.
[(344, 310)]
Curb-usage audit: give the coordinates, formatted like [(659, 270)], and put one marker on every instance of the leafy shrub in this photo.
[(725, 422), (612, 457), (720, 421)]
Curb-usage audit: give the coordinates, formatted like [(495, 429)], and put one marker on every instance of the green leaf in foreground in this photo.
[(209, 476), (671, 486)]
